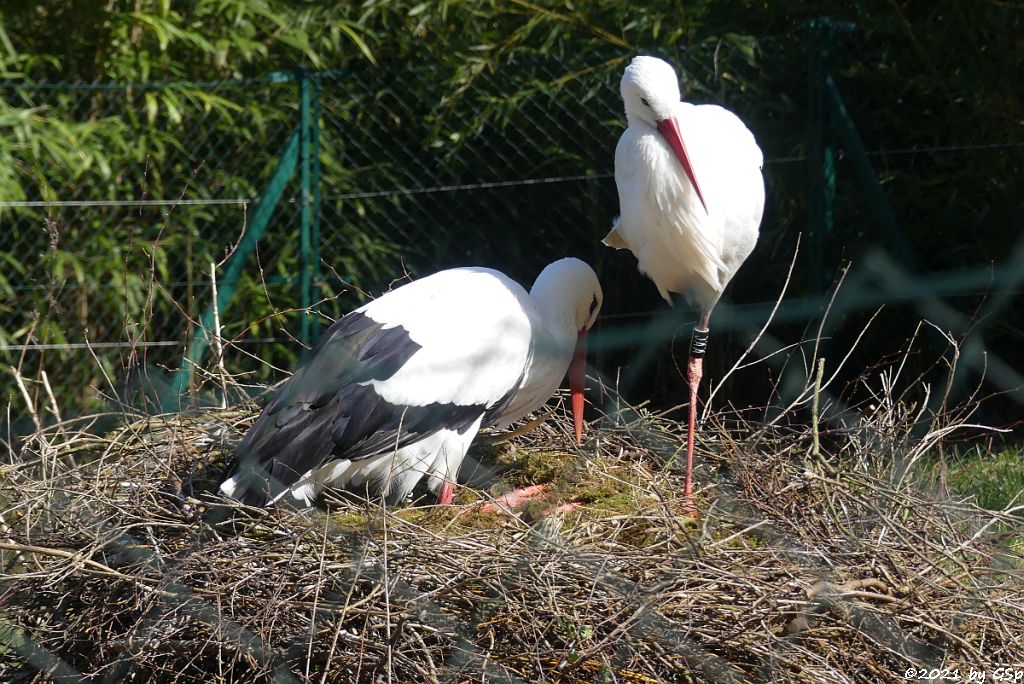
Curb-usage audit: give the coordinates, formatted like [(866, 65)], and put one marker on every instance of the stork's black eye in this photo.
[(593, 305), (646, 103)]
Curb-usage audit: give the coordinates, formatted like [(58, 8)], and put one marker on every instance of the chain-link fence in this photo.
[(108, 237), (110, 229), (107, 249)]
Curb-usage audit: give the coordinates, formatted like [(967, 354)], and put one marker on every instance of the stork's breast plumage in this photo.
[(676, 242), (681, 245)]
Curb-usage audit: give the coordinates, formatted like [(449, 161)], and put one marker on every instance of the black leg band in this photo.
[(699, 343)]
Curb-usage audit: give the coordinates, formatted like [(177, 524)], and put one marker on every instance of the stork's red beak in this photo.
[(670, 130), (578, 381)]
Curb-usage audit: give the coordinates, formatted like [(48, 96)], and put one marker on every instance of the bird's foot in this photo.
[(529, 504), (690, 508), (550, 511), (514, 499)]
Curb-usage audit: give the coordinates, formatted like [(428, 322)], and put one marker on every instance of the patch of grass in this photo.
[(993, 478), (353, 517), (349, 520)]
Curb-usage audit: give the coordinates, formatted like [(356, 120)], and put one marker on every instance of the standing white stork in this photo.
[(691, 198), (396, 390)]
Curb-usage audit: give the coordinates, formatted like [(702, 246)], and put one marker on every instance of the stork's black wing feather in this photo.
[(323, 412)]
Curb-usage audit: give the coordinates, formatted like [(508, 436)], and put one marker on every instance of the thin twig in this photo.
[(29, 406), (49, 393), (816, 443), (218, 348), (757, 338)]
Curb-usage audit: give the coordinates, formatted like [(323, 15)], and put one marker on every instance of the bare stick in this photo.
[(218, 350), (86, 564), (816, 444), (316, 599), (56, 411), (53, 400), (103, 370), (525, 428), (28, 399), (10, 437), (757, 338)]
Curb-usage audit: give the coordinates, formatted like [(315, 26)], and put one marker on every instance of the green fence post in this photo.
[(828, 118), (315, 250), (866, 176), (821, 168), (229, 281), (306, 258), (301, 150), (306, 199)]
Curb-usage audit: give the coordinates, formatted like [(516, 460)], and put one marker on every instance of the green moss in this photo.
[(526, 467), (11, 638), (750, 540), (613, 503), (350, 521), (604, 489)]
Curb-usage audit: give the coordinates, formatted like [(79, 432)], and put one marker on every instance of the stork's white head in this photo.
[(569, 294), (650, 93), (650, 90)]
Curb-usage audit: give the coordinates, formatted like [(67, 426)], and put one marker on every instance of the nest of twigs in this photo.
[(120, 565)]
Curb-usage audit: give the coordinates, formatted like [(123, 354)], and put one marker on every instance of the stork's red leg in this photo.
[(694, 372), (447, 493)]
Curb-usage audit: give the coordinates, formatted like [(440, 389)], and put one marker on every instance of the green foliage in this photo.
[(435, 93)]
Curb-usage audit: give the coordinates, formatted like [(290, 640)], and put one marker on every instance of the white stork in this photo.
[(691, 198), (396, 390)]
